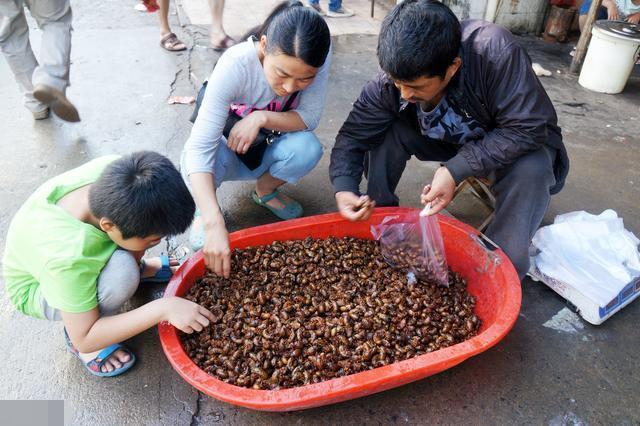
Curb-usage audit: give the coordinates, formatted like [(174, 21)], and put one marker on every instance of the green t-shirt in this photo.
[(50, 253)]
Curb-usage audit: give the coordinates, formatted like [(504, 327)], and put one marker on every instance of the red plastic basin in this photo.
[(490, 276)]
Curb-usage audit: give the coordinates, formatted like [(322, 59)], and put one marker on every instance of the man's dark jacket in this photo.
[(495, 85)]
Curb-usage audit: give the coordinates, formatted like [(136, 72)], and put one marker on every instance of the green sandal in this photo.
[(291, 210)]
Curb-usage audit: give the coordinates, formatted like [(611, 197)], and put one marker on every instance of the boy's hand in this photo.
[(186, 315), (440, 192), (612, 10), (216, 251), (244, 133), (354, 207)]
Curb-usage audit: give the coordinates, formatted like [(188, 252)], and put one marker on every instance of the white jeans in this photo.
[(54, 19)]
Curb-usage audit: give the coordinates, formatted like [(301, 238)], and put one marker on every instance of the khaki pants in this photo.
[(54, 19)]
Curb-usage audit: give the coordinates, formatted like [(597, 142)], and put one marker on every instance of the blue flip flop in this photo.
[(291, 210), (95, 365), (163, 275)]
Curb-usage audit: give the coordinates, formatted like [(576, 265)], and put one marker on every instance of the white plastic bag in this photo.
[(591, 252)]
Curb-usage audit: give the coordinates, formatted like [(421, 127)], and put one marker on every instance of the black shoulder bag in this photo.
[(253, 157)]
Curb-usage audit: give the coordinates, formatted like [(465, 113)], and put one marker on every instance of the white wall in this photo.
[(520, 16), (467, 9)]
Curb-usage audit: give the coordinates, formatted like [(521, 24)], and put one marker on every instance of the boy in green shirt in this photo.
[(73, 253)]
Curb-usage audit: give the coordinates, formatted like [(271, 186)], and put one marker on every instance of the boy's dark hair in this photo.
[(418, 38), (296, 31), (143, 194)]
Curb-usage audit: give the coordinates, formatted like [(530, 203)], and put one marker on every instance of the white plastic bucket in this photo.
[(609, 62)]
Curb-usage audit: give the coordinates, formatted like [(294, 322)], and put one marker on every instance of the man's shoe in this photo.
[(57, 101), (317, 8), (343, 12), (41, 115)]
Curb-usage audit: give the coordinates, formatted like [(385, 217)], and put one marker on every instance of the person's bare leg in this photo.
[(170, 42), (267, 184), (217, 35), (163, 17)]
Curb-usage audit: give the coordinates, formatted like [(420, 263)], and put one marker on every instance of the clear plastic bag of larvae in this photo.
[(413, 242)]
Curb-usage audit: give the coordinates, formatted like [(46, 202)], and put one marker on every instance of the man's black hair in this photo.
[(296, 31), (418, 38), (143, 194)]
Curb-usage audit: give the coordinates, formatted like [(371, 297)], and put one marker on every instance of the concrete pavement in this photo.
[(121, 81)]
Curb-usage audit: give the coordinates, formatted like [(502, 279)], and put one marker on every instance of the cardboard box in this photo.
[(585, 306)]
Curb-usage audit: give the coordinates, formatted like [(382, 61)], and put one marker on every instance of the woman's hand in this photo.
[(634, 19), (216, 251), (245, 132)]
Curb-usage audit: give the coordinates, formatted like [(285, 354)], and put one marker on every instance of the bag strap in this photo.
[(292, 98), (286, 107)]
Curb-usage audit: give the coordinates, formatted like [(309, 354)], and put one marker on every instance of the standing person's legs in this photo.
[(385, 164), (51, 77), (522, 198), (15, 45), (168, 40), (218, 36), (163, 17), (315, 5), (54, 18), (335, 5), (336, 10)]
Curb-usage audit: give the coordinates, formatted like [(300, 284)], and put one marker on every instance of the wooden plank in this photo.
[(585, 38)]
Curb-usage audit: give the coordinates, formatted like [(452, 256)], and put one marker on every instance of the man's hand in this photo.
[(217, 255), (440, 192), (634, 19), (186, 315), (353, 207), (245, 132)]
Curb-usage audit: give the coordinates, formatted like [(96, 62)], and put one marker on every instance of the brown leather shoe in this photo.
[(57, 101)]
